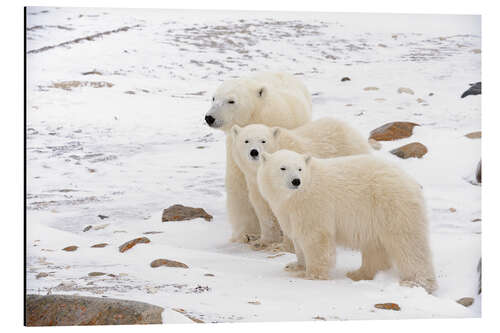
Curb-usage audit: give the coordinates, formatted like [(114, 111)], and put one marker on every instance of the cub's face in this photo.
[(250, 142), (233, 104), (286, 171)]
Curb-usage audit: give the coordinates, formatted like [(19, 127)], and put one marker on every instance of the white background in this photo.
[(12, 166)]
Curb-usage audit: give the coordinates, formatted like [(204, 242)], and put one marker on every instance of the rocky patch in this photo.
[(414, 149), (65, 310), (388, 306), (167, 263), (474, 135), (182, 213), (130, 244), (466, 301), (70, 248), (393, 131)]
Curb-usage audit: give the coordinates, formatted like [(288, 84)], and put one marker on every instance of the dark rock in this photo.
[(181, 213), (130, 244), (478, 173), (96, 274), (102, 217), (345, 78), (414, 149), (65, 310), (475, 89), (393, 131), (388, 306), (168, 263), (70, 248), (87, 228), (480, 270)]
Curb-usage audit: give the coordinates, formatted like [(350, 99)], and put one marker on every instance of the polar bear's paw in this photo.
[(313, 275), (359, 275), (295, 267), (244, 238), (429, 285)]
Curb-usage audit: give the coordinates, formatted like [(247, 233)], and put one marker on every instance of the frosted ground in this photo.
[(128, 140)]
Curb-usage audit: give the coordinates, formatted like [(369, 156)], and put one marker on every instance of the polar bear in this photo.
[(322, 138), (360, 202), (274, 99)]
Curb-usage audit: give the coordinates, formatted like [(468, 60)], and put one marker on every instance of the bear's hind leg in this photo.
[(374, 259)]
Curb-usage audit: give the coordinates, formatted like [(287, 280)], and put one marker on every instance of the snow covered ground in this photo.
[(129, 139)]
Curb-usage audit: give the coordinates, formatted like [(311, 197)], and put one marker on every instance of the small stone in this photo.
[(477, 220), (388, 306), (130, 244), (375, 144), (168, 263), (466, 301), (414, 149), (70, 248), (100, 245), (209, 274), (91, 170), (478, 172), (152, 232), (130, 92), (431, 94), (254, 302), (379, 99), (96, 274), (474, 135), (349, 104), (393, 131), (42, 275), (420, 100), (405, 91), (452, 210), (182, 213), (370, 88), (345, 78), (381, 45), (319, 318), (87, 228), (102, 217), (476, 51)]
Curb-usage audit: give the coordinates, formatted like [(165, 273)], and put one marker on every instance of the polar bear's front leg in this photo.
[(240, 212), (319, 255), (270, 231), (300, 264)]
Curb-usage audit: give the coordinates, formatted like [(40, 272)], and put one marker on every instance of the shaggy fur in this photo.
[(360, 202), (274, 99), (322, 138)]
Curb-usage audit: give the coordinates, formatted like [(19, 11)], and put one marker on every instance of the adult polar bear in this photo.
[(269, 98), (360, 202)]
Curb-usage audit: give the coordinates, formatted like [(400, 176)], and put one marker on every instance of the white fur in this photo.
[(274, 99), (323, 138), (360, 202)]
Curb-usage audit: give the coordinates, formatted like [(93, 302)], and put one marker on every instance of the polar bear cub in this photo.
[(324, 138), (274, 99), (359, 202)]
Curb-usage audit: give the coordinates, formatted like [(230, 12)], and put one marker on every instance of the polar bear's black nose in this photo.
[(254, 153), (296, 182), (209, 119)]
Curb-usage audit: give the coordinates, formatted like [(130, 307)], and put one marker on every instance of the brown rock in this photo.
[(96, 274), (414, 149), (168, 263), (478, 172), (345, 78), (182, 213), (466, 301), (254, 302), (393, 131), (476, 220), (100, 245), (130, 244), (41, 275), (388, 306), (474, 135), (66, 310), (70, 248), (370, 88), (453, 210)]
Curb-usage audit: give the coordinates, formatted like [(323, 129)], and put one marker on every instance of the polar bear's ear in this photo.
[(276, 131), (262, 91), (307, 159), (264, 156), (235, 130)]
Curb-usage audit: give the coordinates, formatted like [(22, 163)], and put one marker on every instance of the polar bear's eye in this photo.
[(246, 141), (283, 168), (263, 141), (300, 169), (213, 99), (231, 102)]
